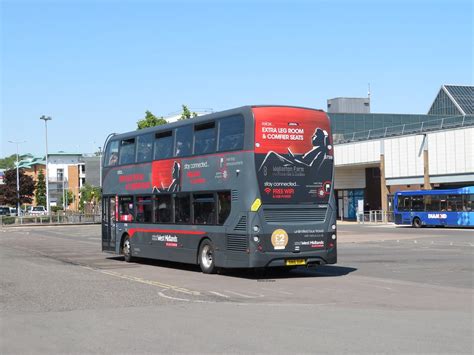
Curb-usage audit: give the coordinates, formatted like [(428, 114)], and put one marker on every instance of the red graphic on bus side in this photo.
[(166, 175)]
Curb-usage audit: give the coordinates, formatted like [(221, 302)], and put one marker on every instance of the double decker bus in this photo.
[(250, 187), (451, 208)]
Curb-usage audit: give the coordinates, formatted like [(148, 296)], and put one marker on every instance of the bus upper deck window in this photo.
[(127, 151), (144, 148), (205, 138), (184, 138), (231, 133), (112, 154), (163, 145)]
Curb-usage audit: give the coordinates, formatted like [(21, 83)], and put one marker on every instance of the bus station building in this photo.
[(377, 154)]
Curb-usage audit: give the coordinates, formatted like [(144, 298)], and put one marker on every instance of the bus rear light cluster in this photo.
[(331, 245), (333, 227), (256, 239), (260, 248), (333, 237)]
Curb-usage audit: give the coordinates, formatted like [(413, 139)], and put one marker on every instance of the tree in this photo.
[(69, 198), (8, 162), (90, 197), (8, 193), (150, 120), (40, 192), (187, 114)]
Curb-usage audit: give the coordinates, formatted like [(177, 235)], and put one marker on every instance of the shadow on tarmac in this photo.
[(251, 274)]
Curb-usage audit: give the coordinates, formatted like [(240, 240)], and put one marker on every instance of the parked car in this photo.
[(12, 211), (38, 210), (4, 211)]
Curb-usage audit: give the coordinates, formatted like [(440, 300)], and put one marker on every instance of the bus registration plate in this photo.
[(293, 262)]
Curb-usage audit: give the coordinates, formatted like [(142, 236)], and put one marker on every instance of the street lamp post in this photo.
[(17, 177), (46, 119)]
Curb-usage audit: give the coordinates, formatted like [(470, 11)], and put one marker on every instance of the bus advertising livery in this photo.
[(244, 188)]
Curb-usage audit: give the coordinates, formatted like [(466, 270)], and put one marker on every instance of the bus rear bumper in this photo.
[(280, 259)]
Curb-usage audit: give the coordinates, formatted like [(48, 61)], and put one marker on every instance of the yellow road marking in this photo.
[(144, 281)]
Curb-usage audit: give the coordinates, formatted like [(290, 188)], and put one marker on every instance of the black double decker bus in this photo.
[(249, 187)]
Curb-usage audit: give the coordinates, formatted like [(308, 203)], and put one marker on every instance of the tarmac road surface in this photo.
[(394, 290)]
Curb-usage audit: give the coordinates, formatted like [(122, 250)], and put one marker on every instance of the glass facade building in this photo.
[(348, 123), (453, 100)]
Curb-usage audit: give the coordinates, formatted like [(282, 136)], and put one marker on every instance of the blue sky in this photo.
[(96, 66)]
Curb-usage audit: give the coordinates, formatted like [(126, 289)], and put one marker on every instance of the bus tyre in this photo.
[(206, 257), (417, 222), (127, 250)]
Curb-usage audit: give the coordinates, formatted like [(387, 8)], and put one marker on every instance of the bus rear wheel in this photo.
[(417, 222), (206, 257), (127, 250)]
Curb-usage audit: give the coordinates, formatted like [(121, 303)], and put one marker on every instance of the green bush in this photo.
[(8, 220), (55, 209)]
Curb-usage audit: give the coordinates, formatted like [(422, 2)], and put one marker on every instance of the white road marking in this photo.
[(242, 295), (218, 294), (161, 294)]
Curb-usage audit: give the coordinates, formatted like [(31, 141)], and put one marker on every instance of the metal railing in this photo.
[(378, 216), (405, 129), (53, 218)]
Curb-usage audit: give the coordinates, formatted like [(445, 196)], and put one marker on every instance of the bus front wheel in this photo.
[(417, 222), (127, 250), (206, 257)]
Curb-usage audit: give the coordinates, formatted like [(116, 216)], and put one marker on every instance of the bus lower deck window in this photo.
[(204, 209), (162, 207), (224, 206), (144, 208), (182, 208), (126, 209)]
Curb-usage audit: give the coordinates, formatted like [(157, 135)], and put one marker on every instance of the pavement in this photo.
[(394, 290)]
